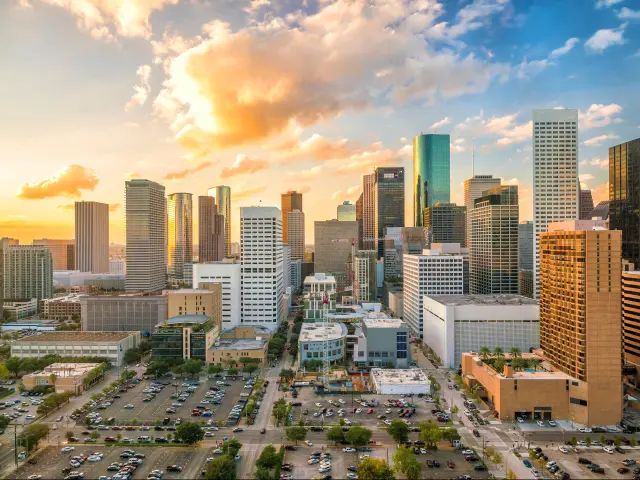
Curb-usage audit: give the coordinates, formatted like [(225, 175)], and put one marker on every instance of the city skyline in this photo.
[(85, 141)]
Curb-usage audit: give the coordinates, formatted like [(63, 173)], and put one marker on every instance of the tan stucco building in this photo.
[(68, 377), (252, 331), (196, 301), (235, 349)]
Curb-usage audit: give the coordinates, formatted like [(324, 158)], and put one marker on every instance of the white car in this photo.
[(209, 434), (244, 394), (359, 410), (318, 404), (29, 417), (540, 423), (609, 449), (388, 410), (347, 421), (348, 450), (584, 430), (552, 423), (366, 455), (468, 452), (94, 458), (308, 443), (563, 449), (75, 464), (341, 401), (388, 423), (128, 405), (519, 419), (68, 449), (613, 429), (34, 477)]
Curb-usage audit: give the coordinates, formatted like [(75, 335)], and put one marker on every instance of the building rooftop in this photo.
[(72, 298), (408, 376), (239, 344), (383, 322), (179, 319), (79, 337), (318, 332), (256, 329), (185, 291), (493, 299), (545, 371), (65, 370), (320, 278)]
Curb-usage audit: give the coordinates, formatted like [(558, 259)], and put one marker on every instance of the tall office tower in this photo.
[(359, 215), (295, 234), (586, 204), (474, 187), (631, 317), (210, 231), (222, 194), (63, 252), (179, 233), (555, 174), (368, 212), (286, 266), (291, 201), (437, 271), (27, 272), (364, 271), (334, 241), (580, 315), (346, 212), (92, 237), (624, 196), (431, 173), (393, 252), (388, 203), (445, 223), (494, 242), (8, 242), (146, 235), (262, 264), (525, 245)]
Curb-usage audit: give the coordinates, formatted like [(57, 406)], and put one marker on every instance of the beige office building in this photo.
[(474, 188), (193, 301), (631, 317), (179, 233), (580, 315), (92, 237), (211, 246), (295, 226), (63, 252), (291, 201)]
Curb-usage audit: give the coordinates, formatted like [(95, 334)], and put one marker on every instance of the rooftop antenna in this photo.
[(473, 156)]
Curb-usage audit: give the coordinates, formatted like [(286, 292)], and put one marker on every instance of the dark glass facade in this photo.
[(167, 343), (624, 196), (389, 202), (446, 223), (431, 173)]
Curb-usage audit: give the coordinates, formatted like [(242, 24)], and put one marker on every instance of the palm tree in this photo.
[(52, 379), (515, 352), (534, 363), (485, 352), (498, 352)]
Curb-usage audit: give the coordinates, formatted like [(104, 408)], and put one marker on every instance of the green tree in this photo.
[(405, 462), (399, 431), (262, 473), (498, 352), (231, 447), (518, 364), (632, 441), (288, 374), (573, 441), (4, 423), (222, 468), (32, 434), (587, 440), (95, 435), (268, 458), (158, 368), (189, 433), (69, 435), (375, 469), (511, 475), (134, 421), (335, 435), (358, 436), (296, 434), (144, 346), (534, 363), (430, 433), (118, 436), (515, 352), (498, 364), (192, 367), (132, 355), (232, 372), (14, 365), (214, 369), (496, 458), (450, 434), (485, 352), (603, 439), (249, 368)]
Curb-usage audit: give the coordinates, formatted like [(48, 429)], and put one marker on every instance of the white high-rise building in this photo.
[(438, 271), (295, 235), (227, 273), (262, 266), (473, 189), (92, 237), (146, 235), (555, 174), (286, 265)]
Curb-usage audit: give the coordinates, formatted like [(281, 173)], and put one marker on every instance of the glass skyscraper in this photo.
[(431, 173), (388, 199)]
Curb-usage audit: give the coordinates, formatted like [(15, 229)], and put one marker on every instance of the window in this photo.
[(401, 344), (577, 401)]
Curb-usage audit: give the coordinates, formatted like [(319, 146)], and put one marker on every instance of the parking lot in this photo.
[(51, 462)]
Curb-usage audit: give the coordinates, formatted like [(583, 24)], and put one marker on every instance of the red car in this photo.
[(450, 464), (370, 411), (116, 428)]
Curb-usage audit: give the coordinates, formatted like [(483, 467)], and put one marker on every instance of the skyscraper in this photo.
[(262, 266), (63, 252), (364, 271), (525, 245), (333, 247), (222, 194), (431, 173), (580, 315), (555, 173), (474, 187), (290, 201), (368, 212), (179, 233), (359, 216), (445, 223), (27, 272), (586, 204), (146, 235), (631, 317), (388, 203), (346, 212), (494, 242), (92, 237), (295, 234), (210, 231), (624, 196)]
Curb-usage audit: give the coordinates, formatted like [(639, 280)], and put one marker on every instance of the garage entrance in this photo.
[(542, 413)]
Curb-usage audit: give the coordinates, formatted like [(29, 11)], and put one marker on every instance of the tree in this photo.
[(335, 435), (192, 367), (232, 372), (515, 352), (118, 436), (511, 475), (518, 364), (296, 434), (69, 435), (95, 435), (617, 441), (587, 440), (534, 363), (249, 368), (405, 462), (358, 436), (158, 368), (262, 473), (287, 374), (222, 468), (450, 434), (231, 447), (269, 458), (214, 369), (52, 379), (14, 365), (603, 439), (134, 421), (399, 431), (232, 363), (485, 352), (32, 434), (498, 364), (375, 469), (496, 458), (132, 355), (144, 346), (498, 352), (632, 441), (4, 423), (430, 433), (189, 433), (573, 441)]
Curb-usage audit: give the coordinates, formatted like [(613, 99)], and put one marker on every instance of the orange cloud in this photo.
[(66, 183), (364, 162), (246, 192), (317, 147), (113, 207), (243, 166), (187, 171), (66, 206)]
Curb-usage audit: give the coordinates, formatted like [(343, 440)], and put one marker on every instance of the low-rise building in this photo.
[(64, 377), (318, 288), (412, 381), (314, 337), (396, 301), (227, 274), (383, 342), (62, 308), (108, 345), (226, 350), (19, 309), (116, 313), (184, 337), (249, 331)]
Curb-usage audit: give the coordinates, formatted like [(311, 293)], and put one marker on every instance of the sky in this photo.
[(274, 95)]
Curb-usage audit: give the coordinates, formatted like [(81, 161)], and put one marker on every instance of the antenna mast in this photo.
[(473, 156)]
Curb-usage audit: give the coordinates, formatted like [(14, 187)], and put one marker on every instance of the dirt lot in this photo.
[(51, 462), (610, 462)]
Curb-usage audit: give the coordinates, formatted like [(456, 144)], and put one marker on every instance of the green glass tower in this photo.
[(431, 173)]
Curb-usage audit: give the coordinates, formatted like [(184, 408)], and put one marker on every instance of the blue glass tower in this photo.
[(431, 173)]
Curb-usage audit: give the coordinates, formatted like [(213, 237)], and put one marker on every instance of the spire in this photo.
[(473, 156)]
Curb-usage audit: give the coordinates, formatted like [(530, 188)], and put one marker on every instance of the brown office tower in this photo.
[(631, 318), (211, 246), (291, 201), (580, 315), (359, 214), (63, 252), (334, 245)]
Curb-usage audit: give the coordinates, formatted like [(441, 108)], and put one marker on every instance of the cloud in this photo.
[(316, 147), (510, 181), (243, 166), (505, 127), (366, 161), (25, 4), (349, 193), (308, 174), (246, 192), (142, 89), (566, 48), (105, 19), (600, 193), (66, 183), (599, 162), (241, 87), (585, 177), (628, 14), (457, 146), (605, 38), (598, 115), (183, 173), (597, 141), (440, 123), (66, 206), (607, 3), (114, 207), (132, 175)]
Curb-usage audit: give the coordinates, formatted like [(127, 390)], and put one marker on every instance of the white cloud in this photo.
[(600, 139), (585, 177), (599, 115), (457, 147), (566, 48), (528, 69), (142, 89), (599, 162), (440, 123), (605, 38), (510, 181), (628, 14), (607, 3), (506, 128), (349, 193)]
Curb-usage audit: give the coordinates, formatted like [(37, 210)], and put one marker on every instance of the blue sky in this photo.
[(270, 95)]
